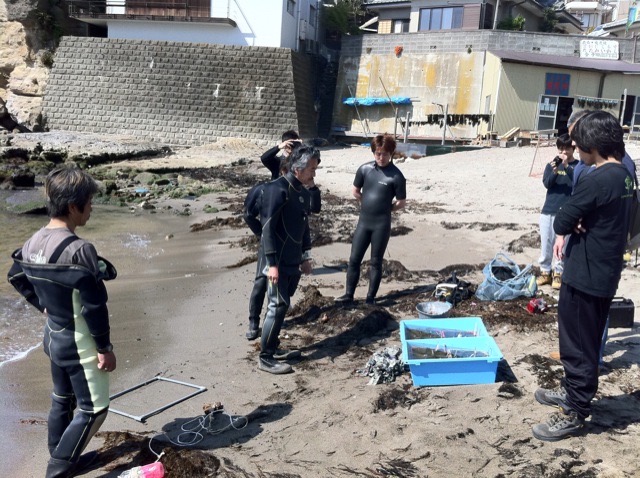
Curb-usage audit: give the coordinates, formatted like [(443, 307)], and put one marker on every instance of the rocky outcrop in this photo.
[(23, 77)]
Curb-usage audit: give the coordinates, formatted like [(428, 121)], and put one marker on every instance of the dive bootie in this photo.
[(254, 330), (284, 354), (344, 299), (59, 468), (271, 365)]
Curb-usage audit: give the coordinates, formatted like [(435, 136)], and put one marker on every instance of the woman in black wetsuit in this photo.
[(376, 185)]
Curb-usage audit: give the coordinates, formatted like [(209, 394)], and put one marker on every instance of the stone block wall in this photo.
[(177, 93)]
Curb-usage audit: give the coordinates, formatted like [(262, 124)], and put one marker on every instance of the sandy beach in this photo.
[(180, 311)]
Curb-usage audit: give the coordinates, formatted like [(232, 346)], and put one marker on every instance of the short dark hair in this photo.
[(564, 141), (290, 134), (300, 156), (384, 141), (68, 185), (601, 131)]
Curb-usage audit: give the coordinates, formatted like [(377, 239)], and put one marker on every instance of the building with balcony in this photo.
[(401, 16), (271, 23)]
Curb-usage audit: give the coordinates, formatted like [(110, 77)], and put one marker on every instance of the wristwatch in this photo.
[(106, 350)]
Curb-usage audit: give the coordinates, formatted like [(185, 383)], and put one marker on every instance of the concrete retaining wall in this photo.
[(178, 93)]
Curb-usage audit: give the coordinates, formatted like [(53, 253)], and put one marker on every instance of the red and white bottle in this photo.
[(152, 470)]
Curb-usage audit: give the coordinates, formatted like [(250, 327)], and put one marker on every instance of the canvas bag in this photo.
[(504, 280)]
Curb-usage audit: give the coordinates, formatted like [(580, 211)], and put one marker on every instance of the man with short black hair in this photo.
[(599, 210), (66, 275)]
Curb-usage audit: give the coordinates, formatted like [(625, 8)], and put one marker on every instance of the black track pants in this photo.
[(581, 321)]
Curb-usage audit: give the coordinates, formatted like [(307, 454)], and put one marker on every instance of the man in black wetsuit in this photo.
[(273, 158), (65, 281), (596, 216), (286, 242), (376, 185), (253, 217)]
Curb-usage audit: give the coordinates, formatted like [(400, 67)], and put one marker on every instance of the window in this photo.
[(588, 20), (313, 15), (448, 18), (400, 26), (291, 7)]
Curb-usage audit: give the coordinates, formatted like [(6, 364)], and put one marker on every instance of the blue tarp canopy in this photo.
[(370, 101)]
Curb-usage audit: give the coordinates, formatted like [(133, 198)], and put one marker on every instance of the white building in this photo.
[(274, 23)]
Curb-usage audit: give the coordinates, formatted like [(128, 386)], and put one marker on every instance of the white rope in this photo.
[(194, 430)]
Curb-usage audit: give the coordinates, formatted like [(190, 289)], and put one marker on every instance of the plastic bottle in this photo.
[(153, 470)]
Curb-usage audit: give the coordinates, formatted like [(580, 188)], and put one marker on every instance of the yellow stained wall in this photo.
[(452, 78), (461, 80)]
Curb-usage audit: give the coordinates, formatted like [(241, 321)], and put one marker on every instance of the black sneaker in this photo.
[(269, 364), (344, 299), (553, 398), (283, 354), (559, 426), (370, 301)]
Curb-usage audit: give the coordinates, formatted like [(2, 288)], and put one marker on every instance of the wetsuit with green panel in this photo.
[(72, 293)]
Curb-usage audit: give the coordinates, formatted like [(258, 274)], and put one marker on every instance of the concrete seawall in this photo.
[(179, 93)]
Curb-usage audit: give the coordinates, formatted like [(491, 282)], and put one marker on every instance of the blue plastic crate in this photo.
[(442, 328), (464, 370)]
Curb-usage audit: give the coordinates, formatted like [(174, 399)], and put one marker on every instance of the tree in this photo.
[(549, 20), (344, 17), (510, 23)]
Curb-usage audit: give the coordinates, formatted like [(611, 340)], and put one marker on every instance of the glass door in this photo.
[(547, 107)]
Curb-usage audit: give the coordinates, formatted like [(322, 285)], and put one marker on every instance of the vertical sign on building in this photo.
[(557, 84)]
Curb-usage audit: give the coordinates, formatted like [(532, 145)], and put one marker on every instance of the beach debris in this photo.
[(152, 470), (212, 407), (537, 306), (384, 366)]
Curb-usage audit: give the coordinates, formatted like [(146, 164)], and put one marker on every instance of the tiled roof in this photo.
[(569, 62)]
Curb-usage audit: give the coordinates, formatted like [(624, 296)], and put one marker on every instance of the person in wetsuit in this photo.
[(285, 243), (275, 163), (65, 281), (376, 185), (273, 157)]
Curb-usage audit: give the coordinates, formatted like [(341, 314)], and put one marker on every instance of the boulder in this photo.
[(23, 179), (28, 81)]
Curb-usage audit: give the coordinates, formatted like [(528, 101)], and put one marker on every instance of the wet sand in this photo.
[(182, 314)]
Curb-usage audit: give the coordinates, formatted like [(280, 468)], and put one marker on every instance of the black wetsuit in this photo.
[(272, 161), (67, 281), (253, 217), (285, 236), (378, 187)]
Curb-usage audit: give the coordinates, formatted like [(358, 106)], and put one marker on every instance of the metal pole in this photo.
[(406, 126), (395, 110), (444, 127), (355, 104)]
